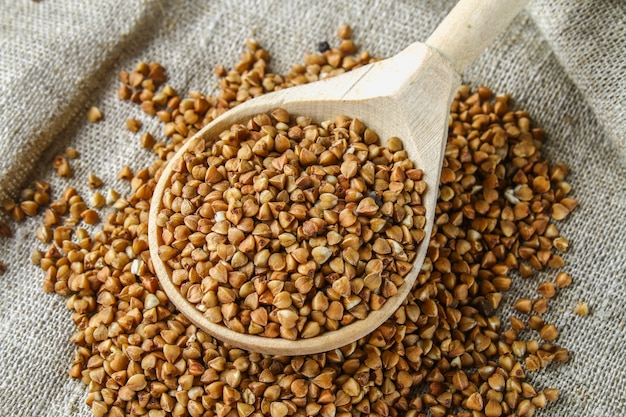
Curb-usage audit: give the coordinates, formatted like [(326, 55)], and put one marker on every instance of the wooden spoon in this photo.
[(407, 96)]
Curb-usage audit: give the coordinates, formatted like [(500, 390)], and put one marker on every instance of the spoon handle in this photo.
[(470, 27)]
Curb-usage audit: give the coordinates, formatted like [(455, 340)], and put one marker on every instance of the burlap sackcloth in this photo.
[(563, 61)]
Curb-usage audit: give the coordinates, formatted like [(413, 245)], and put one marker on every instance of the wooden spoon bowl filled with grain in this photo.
[(298, 222)]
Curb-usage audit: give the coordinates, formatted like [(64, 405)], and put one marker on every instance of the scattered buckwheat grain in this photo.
[(444, 352)]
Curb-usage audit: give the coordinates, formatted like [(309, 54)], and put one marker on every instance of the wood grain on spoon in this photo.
[(407, 96)]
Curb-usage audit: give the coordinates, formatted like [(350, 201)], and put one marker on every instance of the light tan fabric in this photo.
[(562, 61)]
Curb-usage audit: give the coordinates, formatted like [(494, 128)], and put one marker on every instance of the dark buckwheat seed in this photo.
[(323, 47)]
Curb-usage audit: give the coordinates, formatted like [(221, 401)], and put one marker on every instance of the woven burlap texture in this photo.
[(562, 61)]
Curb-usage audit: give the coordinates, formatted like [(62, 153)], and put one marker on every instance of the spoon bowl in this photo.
[(407, 96)]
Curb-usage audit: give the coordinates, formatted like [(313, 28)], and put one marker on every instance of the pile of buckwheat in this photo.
[(443, 352), (281, 227)]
